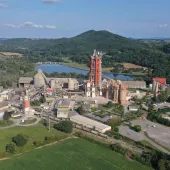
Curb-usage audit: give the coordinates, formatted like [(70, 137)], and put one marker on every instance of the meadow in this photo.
[(71, 154), (37, 132)]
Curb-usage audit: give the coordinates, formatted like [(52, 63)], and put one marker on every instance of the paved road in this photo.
[(125, 131), (32, 124), (17, 123)]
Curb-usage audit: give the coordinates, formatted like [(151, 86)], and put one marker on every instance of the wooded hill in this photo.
[(79, 49)]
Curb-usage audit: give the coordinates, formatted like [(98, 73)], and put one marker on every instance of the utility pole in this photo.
[(49, 122)]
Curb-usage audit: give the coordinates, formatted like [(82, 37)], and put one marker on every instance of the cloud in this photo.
[(29, 25), (3, 6), (163, 25), (51, 1)]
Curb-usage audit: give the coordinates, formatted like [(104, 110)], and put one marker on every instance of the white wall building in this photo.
[(86, 122)]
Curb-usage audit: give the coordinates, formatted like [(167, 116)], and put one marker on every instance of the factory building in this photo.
[(40, 80), (89, 123), (158, 84), (134, 84), (64, 107)]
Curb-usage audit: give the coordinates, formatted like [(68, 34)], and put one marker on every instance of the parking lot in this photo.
[(160, 133)]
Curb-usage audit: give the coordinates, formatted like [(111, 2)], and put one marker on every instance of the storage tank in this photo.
[(26, 103), (123, 94), (53, 84), (115, 92), (155, 86), (39, 80), (71, 84)]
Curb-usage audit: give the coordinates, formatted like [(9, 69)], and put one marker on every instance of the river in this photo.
[(50, 68)]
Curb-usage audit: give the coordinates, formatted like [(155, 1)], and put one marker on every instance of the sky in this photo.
[(67, 18)]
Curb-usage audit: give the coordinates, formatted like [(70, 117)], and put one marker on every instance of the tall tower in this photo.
[(96, 68)]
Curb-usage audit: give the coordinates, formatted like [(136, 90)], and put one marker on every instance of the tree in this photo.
[(6, 116), (109, 104), (64, 126), (20, 140), (115, 122), (137, 128), (80, 110), (42, 100), (10, 148)]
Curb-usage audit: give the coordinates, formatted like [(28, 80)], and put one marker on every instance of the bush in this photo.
[(10, 148), (37, 143), (118, 148), (20, 140), (6, 116), (137, 128), (64, 126)]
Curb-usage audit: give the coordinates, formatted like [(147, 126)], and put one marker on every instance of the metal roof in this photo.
[(90, 123), (133, 83), (25, 79)]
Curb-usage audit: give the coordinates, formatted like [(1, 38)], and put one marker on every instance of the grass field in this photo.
[(72, 154), (37, 132), (29, 121)]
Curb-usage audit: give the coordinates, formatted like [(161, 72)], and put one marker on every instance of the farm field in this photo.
[(130, 65), (37, 132), (10, 54), (71, 154)]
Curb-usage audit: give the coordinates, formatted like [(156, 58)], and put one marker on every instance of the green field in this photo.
[(37, 132), (72, 154)]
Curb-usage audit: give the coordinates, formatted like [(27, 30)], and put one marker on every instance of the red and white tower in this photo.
[(96, 69), (26, 104)]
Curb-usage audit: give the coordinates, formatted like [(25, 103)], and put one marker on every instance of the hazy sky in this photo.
[(66, 18)]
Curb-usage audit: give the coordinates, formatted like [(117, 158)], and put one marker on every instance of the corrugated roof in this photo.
[(25, 79), (133, 83)]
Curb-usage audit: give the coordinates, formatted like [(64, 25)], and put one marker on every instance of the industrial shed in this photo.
[(86, 122)]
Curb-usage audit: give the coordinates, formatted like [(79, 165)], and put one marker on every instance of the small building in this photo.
[(26, 82), (64, 107), (4, 106), (89, 123), (90, 105), (49, 91), (1, 115)]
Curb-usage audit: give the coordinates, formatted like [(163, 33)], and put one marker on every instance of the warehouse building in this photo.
[(134, 84), (89, 123)]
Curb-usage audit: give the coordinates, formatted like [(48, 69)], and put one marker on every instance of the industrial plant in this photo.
[(61, 97)]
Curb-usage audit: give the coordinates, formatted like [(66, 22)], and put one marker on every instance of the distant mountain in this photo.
[(83, 43)]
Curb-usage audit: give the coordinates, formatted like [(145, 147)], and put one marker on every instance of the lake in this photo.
[(50, 68)]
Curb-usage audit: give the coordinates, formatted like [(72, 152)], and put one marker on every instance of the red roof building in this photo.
[(160, 80), (49, 90)]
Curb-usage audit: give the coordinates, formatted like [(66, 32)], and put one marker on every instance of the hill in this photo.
[(79, 48), (83, 43), (70, 155)]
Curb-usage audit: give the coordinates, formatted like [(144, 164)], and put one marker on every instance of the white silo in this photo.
[(71, 84)]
